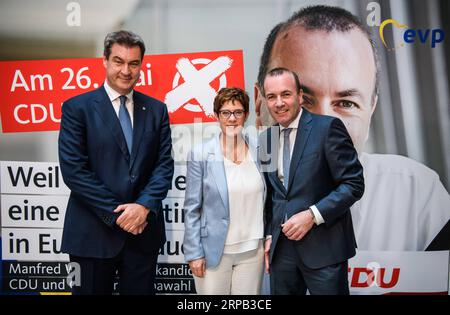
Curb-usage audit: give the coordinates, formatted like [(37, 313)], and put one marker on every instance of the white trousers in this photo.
[(236, 274)]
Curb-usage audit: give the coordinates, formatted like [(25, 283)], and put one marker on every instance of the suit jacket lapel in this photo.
[(215, 162), (253, 149), (138, 125), (103, 106), (276, 182), (303, 131)]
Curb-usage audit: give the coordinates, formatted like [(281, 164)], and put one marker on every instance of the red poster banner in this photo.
[(32, 92)]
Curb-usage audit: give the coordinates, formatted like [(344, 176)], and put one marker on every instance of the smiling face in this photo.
[(123, 68), (283, 99), (337, 73), (231, 126)]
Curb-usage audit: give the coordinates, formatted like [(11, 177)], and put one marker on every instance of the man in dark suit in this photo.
[(115, 156), (315, 178)]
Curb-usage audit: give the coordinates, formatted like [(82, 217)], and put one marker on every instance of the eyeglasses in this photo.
[(226, 114)]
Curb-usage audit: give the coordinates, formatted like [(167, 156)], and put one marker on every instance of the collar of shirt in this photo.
[(294, 123), (115, 101), (292, 137)]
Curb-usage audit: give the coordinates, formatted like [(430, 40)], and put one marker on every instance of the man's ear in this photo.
[(104, 61), (374, 105), (300, 97), (258, 102)]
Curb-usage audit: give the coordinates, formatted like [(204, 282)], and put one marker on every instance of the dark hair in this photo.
[(124, 38), (231, 94), (267, 52), (319, 17), (277, 72)]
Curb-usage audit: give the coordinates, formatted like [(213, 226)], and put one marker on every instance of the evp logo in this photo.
[(402, 34), (430, 37)]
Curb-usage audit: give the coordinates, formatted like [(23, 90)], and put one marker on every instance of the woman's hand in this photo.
[(198, 267), (267, 244)]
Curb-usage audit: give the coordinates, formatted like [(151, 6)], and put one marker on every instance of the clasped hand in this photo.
[(133, 218), (298, 225)]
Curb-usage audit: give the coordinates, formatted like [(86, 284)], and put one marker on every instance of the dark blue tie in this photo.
[(125, 122), (286, 156)]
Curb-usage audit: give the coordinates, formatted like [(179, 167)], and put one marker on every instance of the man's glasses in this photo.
[(225, 114)]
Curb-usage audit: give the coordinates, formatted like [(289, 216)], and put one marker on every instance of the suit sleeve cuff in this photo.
[(152, 205), (318, 219)]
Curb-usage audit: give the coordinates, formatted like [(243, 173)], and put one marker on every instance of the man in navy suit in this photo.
[(115, 156), (315, 178)]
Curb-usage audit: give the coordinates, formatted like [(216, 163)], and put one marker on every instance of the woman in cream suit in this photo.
[(224, 201)]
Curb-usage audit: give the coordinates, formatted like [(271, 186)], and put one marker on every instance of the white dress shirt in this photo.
[(246, 206), (404, 205), (114, 97)]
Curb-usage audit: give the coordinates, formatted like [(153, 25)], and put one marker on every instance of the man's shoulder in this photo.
[(325, 120), (268, 131), (395, 164), (84, 98), (267, 137), (264, 132), (141, 97), (321, 122)]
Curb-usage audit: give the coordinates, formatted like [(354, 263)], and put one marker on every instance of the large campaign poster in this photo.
[(33, 195)]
